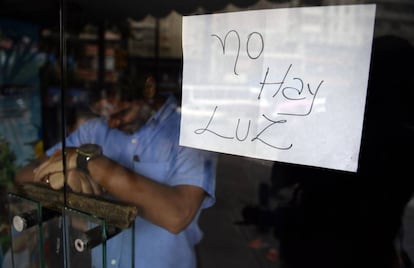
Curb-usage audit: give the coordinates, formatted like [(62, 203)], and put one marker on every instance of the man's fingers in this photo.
[(86, 186), (56, 180), (51, 165), (77, 181), (80, 182), (41, 171), (97, 189), (74, 182)]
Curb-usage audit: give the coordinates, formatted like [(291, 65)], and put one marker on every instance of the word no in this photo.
[(248, 52)]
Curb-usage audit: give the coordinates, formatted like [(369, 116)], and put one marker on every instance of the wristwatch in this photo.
[(85, 153)]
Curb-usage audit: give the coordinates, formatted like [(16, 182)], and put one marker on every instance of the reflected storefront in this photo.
[(70, 62)]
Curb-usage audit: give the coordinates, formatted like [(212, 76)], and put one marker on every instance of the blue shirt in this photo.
[(152, 151)]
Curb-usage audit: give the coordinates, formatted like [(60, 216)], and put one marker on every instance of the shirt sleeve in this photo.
[(195, 167), (84, 134)]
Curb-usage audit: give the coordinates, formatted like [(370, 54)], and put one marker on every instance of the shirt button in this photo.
[(134, 140), (113, 262)]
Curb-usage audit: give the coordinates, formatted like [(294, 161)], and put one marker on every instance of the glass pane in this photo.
[(265, 213), (259, 195), (24, 55), (85, 232)]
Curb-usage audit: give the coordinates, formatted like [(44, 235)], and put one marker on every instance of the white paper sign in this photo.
[(282, 84)]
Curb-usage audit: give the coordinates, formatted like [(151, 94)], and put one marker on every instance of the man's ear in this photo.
[(150, 88)]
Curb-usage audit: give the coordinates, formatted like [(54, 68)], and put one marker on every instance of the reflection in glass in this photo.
[(101, 55)]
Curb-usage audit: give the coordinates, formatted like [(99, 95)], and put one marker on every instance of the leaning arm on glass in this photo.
[(171, 207)]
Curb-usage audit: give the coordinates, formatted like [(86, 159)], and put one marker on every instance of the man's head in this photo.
[(127, 108)]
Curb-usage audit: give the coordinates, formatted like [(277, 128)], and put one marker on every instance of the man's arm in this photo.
[(171, 207)]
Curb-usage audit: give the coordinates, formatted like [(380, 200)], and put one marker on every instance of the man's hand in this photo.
[(51, 173), (80, 182), (54, 164)]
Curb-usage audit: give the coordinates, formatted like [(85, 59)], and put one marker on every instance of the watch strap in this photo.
[(82, 161)]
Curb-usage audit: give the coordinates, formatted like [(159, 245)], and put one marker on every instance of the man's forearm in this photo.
[(171, 207)]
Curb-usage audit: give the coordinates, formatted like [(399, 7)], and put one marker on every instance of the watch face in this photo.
[(85, 153)]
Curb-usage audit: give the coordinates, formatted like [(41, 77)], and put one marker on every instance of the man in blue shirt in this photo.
[(141, 164)]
